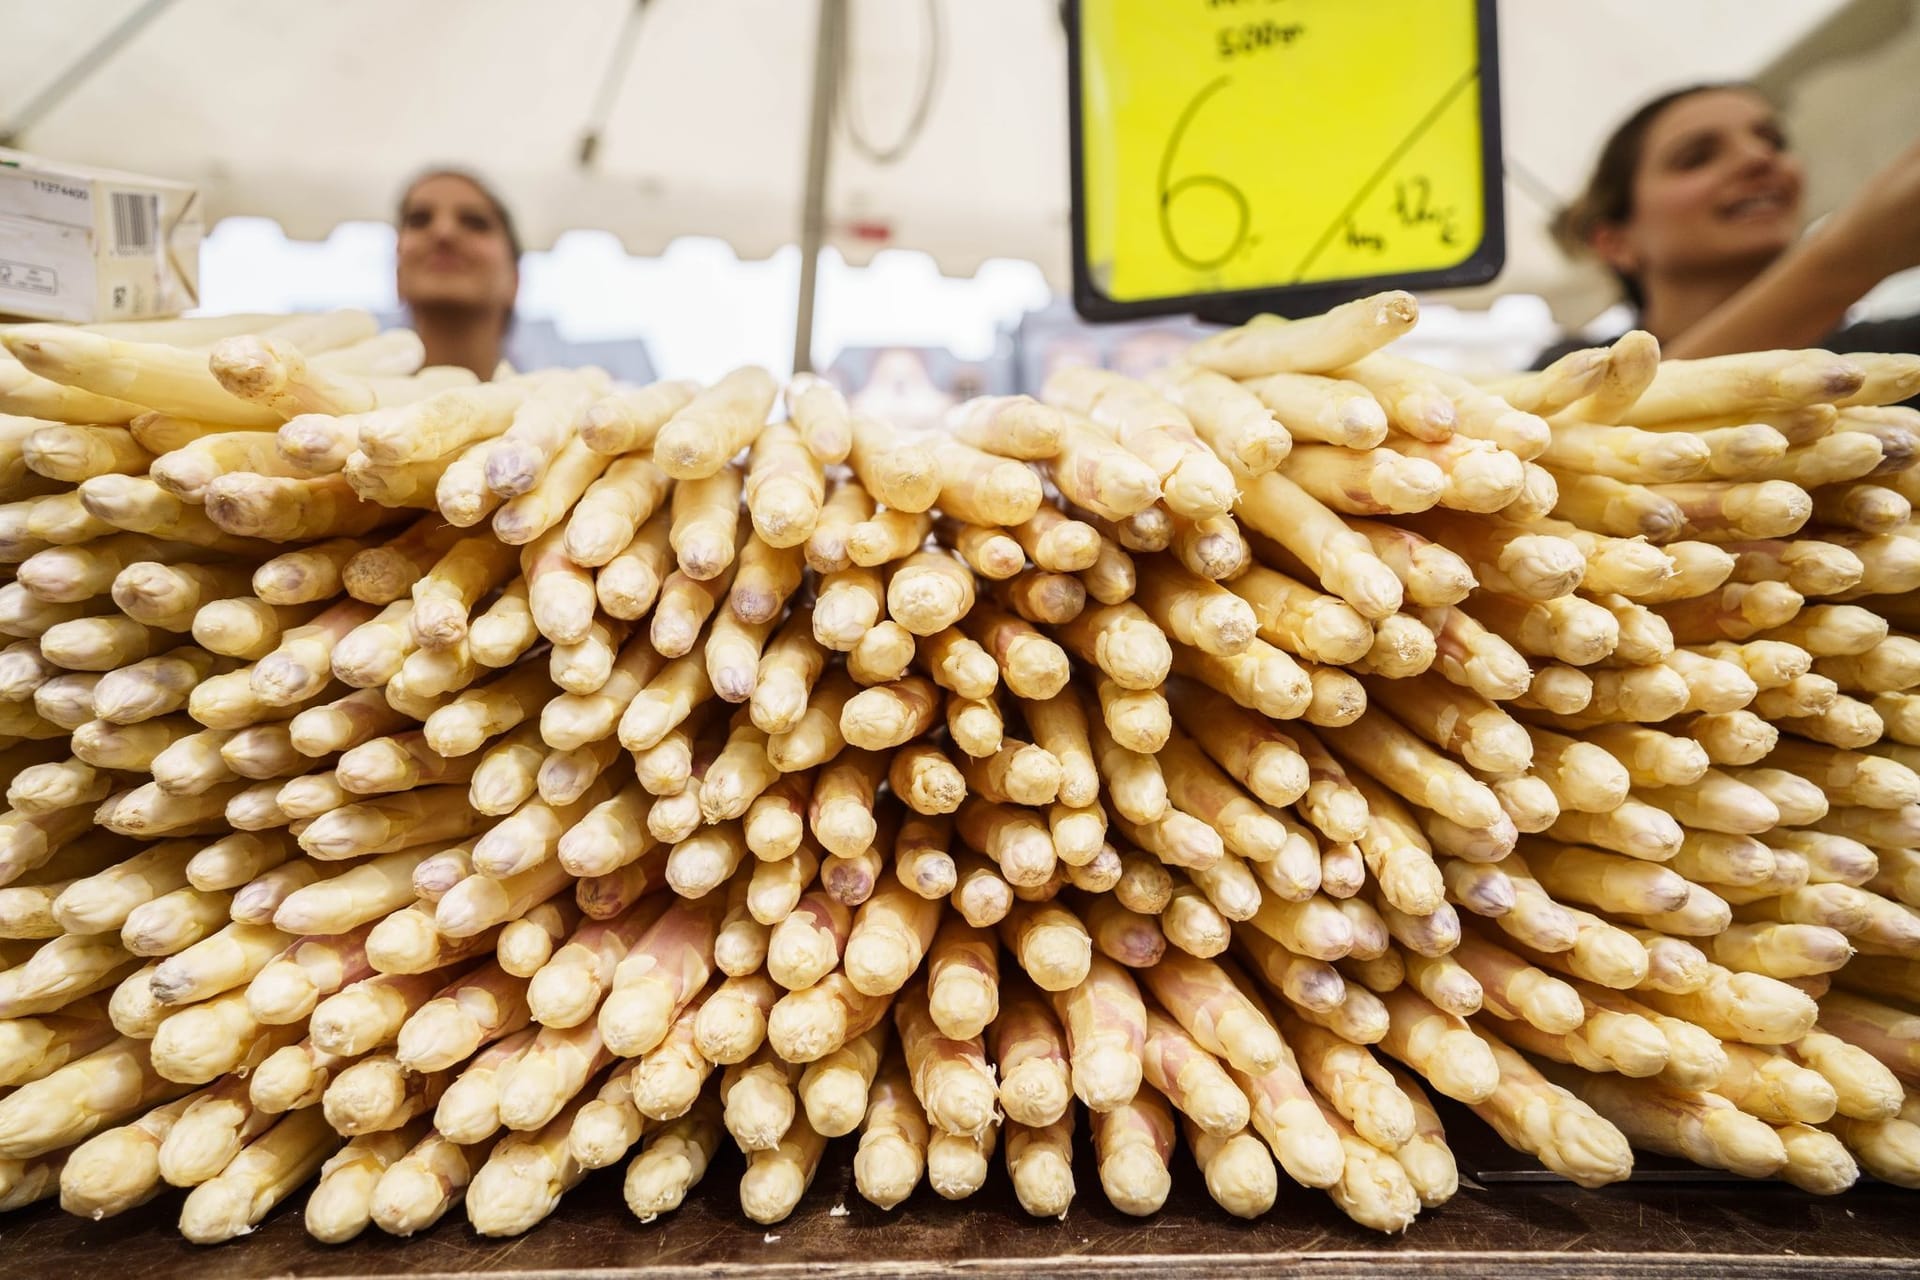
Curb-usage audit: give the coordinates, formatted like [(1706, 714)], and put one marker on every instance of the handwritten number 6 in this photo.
[(1170, 191)]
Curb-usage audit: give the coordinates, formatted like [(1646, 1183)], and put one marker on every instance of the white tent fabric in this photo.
[(312, 114)]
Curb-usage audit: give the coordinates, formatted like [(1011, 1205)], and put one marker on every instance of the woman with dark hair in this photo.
[(1695, 207), (458, 269)]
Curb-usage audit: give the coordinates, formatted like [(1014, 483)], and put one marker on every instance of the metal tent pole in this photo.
[(813, 213), (79, 71), (610, 81)]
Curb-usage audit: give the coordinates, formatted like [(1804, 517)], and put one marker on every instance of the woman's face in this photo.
[(453, 249), (1716, 190)]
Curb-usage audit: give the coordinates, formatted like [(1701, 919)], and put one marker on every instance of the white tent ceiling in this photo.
[(314, 113)]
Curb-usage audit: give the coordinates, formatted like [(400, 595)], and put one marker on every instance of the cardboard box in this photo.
[(83, 244)]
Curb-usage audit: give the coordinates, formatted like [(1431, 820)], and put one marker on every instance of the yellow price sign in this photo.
[(1235, 155)]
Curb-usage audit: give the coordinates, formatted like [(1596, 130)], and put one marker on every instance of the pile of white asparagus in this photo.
[(447, 789)]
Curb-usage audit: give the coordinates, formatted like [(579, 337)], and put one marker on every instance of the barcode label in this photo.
[(136, 222)]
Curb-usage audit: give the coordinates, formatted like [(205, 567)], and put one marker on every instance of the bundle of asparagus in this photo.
[(478, 768)]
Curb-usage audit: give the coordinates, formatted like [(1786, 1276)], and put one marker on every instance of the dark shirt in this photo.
[(537, 344), (1900, 334)]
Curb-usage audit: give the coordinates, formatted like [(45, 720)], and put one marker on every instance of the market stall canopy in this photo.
[(314, 114)]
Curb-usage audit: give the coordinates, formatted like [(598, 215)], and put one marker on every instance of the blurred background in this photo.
[(654, 154)]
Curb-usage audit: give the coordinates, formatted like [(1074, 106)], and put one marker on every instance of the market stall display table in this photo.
[(1541, 1230)]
